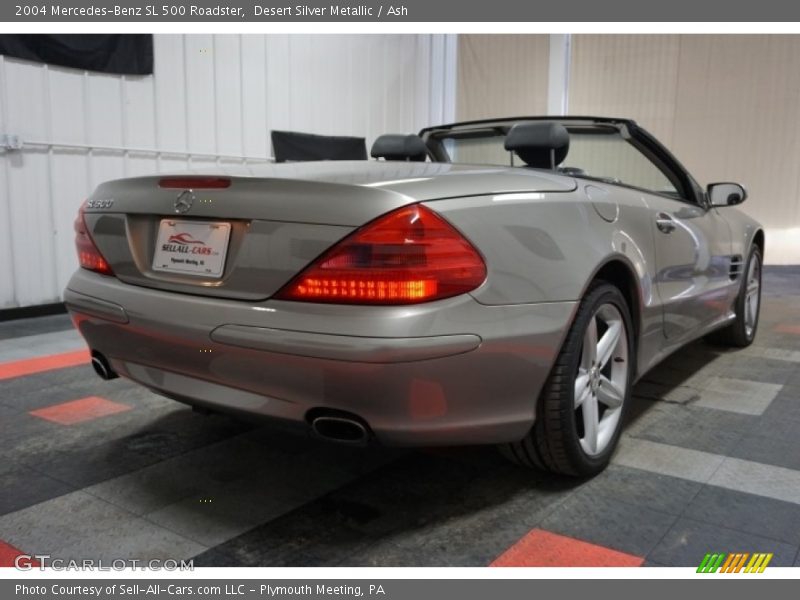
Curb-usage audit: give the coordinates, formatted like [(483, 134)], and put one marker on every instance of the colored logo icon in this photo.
[(740, 562)]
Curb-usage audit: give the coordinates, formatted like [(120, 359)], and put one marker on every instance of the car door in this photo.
[(693, 264), (691, 242)]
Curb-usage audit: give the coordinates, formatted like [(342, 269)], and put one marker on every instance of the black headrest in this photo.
[(396, 146), (542, 145)]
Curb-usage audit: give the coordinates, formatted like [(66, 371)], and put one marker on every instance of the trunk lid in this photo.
[(256, 234)]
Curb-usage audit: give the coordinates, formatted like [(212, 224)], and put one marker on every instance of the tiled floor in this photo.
[(709, 462)]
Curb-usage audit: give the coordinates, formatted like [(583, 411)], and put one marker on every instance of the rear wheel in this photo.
[(580, 412), (742, 331)]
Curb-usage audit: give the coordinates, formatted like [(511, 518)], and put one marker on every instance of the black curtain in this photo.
[(292, 145), (121, 54)]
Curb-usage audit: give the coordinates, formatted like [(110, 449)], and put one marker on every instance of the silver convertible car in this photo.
[(490, 282)]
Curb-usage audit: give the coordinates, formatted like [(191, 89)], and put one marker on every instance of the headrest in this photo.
[(542, 145), (396, 146)]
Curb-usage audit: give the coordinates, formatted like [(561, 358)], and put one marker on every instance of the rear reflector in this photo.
[(196, 183), (407, 256), (88, 254)]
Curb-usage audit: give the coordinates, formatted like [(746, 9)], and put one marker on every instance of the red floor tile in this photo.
[(30, 366), (541, 548), (787, 328), (77, 411), (8, 553)]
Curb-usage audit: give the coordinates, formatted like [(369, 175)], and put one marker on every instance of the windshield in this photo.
[(594, 153)]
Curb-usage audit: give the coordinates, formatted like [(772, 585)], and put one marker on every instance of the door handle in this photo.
[(665, 223)]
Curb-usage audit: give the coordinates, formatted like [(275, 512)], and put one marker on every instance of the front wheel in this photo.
[(583, 403), (742, 330)]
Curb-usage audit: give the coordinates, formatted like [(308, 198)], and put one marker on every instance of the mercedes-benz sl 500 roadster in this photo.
[(490, 282)]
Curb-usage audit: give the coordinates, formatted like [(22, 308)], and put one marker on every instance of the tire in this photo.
[(742, 331), (560, 441)]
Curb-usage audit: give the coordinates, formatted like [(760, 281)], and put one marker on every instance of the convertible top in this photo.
[(507, 122)]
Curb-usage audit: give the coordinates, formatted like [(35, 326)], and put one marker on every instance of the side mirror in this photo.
[(726, 194)]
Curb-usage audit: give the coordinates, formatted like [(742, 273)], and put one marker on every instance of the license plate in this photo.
[(191, 247)]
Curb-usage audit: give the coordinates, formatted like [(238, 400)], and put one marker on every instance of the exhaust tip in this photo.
[(102, 367), (340, 429)]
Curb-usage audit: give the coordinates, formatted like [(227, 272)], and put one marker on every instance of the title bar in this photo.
[(410, 11)]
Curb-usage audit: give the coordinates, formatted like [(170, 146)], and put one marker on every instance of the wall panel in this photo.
[(502, 75), (727, 105), (632, 76), (212, 101)]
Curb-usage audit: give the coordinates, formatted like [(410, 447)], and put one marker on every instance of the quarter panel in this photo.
[(546, 247), (549, 247)]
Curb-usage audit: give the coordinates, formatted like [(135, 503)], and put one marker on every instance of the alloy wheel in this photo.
[(602, 379), (752, 296)]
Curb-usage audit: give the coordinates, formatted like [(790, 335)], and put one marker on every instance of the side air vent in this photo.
[(737, 264)]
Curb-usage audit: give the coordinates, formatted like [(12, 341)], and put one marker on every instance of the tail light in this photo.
[(407, 256), (193, 182), (88, 254)]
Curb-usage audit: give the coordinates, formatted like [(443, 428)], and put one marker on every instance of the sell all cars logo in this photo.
[(184, 243)]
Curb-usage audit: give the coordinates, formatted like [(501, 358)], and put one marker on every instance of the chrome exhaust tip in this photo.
[(101, 366), (340, 429)]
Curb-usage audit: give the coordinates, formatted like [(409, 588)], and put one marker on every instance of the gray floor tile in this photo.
[(640, 488), (697, 428), (22, 487), (774, 450), (11, 389), (224, 512), (771, 425), (56, 394), (418, 508), (774, 356), (16, 425), (759, 370), (33, 346), (759, 479), (688, 541), (786, 404), (666, 392), (738, 395), (682, 463), (35, 325), (653, 564), (609, 522), (102, 449), (746, 512), (269, 490), (199, 472), (387, 554), (78, 525)]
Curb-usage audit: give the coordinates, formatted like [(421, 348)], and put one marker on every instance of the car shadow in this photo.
[(683, 370), (290, 500)]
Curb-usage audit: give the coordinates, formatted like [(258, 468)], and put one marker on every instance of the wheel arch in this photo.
[(619, 272), (758, 240)]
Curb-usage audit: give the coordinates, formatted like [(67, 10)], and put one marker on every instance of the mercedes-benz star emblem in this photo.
[(184, 201)]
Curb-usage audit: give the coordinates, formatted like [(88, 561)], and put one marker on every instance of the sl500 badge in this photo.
[(103, 203)]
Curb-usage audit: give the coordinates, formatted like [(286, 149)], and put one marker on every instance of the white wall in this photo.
[(212, 99)]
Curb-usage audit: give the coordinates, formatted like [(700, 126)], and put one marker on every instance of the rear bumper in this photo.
[(448, 372)]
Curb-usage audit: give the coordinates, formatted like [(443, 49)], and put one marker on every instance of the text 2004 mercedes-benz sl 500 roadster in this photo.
[(491, 282)]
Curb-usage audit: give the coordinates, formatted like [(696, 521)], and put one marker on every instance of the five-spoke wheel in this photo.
[(602, 379), (581, 409)]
